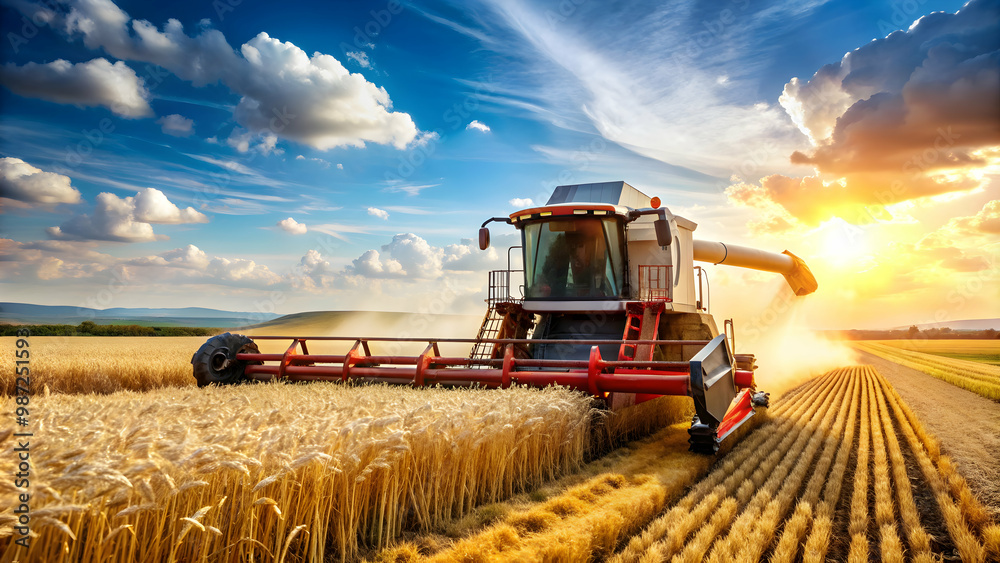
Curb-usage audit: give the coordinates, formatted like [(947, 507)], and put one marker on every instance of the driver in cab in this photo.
[(575, 266)]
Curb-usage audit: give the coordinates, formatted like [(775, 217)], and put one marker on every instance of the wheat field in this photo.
[(277, 472), (980, 378), (984, 351), (103, 364)]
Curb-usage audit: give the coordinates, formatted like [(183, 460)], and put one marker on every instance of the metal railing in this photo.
[(654, 283), (704, 298), (499, 287), (500, 282)]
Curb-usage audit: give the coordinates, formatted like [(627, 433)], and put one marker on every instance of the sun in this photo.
[(843, 244)]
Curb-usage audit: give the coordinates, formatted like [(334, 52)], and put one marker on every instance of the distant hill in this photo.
[(370, 323), (25, 313), (968, 324), (366, 324)]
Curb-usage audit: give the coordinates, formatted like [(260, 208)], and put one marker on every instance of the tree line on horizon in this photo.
[(914, 333), (90, 328)]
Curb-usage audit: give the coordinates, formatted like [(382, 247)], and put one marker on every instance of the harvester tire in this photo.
[(215, 361)]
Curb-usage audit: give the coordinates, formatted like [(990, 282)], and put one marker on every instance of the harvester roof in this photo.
[(602, 198), (615, 193)]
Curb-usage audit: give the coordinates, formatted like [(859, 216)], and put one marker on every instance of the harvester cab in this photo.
[(607, 300)]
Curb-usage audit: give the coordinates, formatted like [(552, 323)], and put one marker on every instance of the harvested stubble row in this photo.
[(276, 472), (743, 510), (589, 513), (980, 378)]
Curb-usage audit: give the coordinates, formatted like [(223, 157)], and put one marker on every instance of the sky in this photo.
[(279, 158)]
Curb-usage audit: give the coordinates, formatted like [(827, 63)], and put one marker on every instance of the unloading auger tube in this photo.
[(587, 242), (796, 272)]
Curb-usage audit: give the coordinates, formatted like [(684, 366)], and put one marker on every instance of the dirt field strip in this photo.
[(946, 411), (957, 519), (982, 379), (919, 541)]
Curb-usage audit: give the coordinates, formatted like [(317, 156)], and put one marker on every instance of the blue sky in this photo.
[(335, 155)]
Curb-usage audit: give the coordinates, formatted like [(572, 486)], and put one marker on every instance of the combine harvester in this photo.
[(612, 305)]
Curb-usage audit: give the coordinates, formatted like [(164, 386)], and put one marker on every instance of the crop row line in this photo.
[(760, 451)]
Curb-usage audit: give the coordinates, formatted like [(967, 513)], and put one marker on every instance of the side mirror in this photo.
[(484, 238), (662, 228)]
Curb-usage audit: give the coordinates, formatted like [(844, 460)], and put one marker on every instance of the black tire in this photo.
[(215, 361)]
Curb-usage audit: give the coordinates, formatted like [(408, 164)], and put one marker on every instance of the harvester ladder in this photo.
[(642, 323), (489, 329)]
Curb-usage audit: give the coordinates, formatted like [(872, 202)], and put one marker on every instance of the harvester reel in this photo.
[(215, 361), (761, 399)]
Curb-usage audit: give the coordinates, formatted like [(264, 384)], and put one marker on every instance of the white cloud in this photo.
[(407, 256), (409, 189), (23, 182), (320, 161), (479, 126), (152, 206), (313, 100), (949, 48), (292, 226), (190, 264), (340, 166), (425, 138), (380, 213), (360, 57), (126, 220), (371, 265), (51, 259), (467, 257), (900, 119), (312, 272), (189, 257), (93, 83), (241, 270), (521, 202), (243, 141), (176, 125), (411, 257)]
